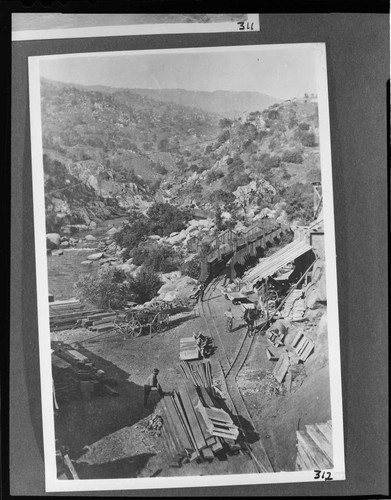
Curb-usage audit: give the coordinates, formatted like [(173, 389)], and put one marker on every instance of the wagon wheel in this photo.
[(160, 322), (156, 305), (121, 328), (133, 328), (272, 295)]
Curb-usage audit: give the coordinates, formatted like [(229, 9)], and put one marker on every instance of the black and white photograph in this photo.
[(186, 267), (56, 25)]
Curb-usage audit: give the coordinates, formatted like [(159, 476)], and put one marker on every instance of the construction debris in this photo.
[(152, 425)]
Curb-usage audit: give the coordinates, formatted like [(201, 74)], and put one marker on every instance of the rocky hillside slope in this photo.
[(108, 151)]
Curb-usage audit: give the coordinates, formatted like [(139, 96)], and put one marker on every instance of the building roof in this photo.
[(281, 258)]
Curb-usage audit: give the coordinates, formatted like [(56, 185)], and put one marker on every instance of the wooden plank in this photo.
[(208, 455), (185, 422), (176, 423), (205, 396), (70, 466), (304, 356), (102, 321), (192, 419), (296, 339), (326, 430), (320, 440), (313, 451)]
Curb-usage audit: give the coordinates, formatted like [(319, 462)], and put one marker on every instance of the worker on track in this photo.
[(152, 381), (249, 317), (228, 314)]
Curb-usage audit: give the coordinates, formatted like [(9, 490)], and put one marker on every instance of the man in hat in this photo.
[(152, 381)]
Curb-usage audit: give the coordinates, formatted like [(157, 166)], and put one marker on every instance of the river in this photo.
[(66, 269)]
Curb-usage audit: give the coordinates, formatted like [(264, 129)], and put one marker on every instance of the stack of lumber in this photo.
[(281, 368), (100, 322), (64, 379), (74, 373), (192, 429), (188, 349), (314, 447), (303, 346), (65, 314)]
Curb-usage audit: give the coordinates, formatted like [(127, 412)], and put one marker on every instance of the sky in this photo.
[(286, 72)]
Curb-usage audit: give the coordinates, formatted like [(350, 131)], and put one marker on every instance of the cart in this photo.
[(133, 323)]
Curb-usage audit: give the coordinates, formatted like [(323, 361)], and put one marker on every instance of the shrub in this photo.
[(223, 137), (107, 288), (292, 156), (155, 256), (161, 169), (299, 200), (308, 139), (191, 268), (165, 219), (225, 123), (304, 126), (214, 175), (145, 285)]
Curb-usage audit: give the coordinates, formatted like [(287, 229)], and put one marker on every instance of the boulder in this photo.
[(65, 244), (316, 293), (92, 225), (95, 256), (89, 237), (53, 241), (170, 296), (87, 262), (73, 241), (112, 230), (108, 240), (64, 238), (57, 253), (155, 237), (127, 268), (112, 247)]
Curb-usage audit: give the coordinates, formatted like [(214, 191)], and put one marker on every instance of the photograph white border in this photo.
[(53, 484), (136, 29)]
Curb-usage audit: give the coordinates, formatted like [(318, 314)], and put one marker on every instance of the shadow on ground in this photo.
[(81, 422), (126, 467)]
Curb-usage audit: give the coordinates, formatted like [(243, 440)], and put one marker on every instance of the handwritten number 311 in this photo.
[(245, 26), (323, 475)]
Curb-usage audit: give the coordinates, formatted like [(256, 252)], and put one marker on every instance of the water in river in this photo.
[(66, 269)]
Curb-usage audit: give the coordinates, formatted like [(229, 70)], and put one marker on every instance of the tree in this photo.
[(225, 123), (107, 288), (145, 285)]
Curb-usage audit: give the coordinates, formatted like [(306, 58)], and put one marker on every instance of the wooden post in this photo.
[(267, 298)]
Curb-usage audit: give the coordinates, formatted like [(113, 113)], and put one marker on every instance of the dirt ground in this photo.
[(110, 426)]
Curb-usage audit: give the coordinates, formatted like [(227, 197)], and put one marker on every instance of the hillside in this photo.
[(125, 150), (225, 103)]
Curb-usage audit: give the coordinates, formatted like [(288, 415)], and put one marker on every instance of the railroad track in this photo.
[(230, 371)]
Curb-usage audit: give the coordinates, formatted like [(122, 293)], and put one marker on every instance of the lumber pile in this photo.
[(188, 349), (314, 447), (66, 314), (194, 427), (303, 346)]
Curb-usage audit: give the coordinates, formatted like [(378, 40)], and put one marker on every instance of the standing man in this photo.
[(228, 314), (249, 318), (152, 381), (202, 289)]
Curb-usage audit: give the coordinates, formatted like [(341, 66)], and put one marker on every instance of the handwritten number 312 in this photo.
[(323, 475), (245, 26)]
